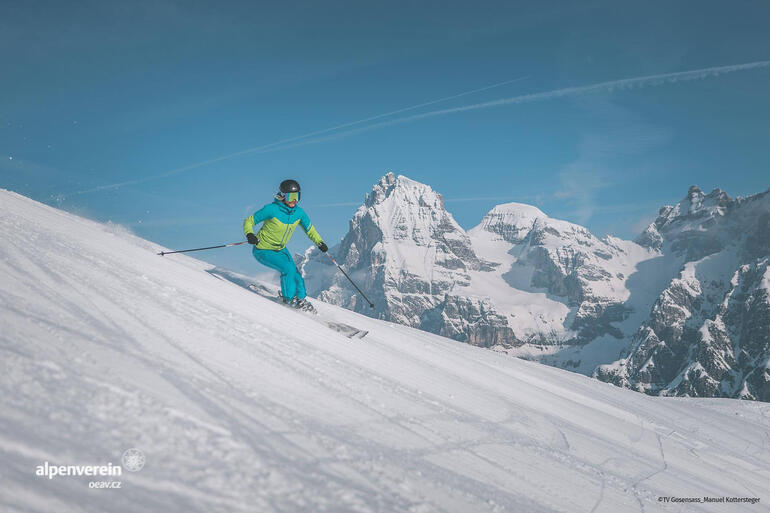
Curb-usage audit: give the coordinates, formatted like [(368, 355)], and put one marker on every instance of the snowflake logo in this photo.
[(133, 460)]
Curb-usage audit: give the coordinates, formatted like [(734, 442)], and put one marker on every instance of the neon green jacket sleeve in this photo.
[(248, 225), (258, 216)]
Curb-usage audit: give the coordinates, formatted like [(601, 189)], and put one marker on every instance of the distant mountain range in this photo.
[(682, 310)]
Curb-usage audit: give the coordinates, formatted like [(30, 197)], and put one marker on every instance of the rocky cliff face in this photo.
[(405, 250), (682, 310), (708, 333), (586, 273), (519, 281)]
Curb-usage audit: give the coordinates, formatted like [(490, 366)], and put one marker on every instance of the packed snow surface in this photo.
[(240, 404)]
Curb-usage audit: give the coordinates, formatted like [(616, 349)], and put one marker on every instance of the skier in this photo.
[(281, 217)]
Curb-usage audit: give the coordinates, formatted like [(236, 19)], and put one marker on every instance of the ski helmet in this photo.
[(290, 186)]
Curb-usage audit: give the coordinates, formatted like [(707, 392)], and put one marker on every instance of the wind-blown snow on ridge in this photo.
[(240, 404)]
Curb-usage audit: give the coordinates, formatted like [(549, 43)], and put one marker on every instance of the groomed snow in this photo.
[(240, 404)]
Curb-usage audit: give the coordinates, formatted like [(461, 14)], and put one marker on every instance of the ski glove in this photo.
[(253, 239), (322, 246)]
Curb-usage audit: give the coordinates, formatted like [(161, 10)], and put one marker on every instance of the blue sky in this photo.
[(96, 94)]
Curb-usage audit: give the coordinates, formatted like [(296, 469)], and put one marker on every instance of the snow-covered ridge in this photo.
[(547, 289), (708, 333), (403, 246), (520, 281), (511, 221), (240, 404)]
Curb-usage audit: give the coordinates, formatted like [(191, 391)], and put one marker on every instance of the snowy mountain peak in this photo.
[(520, 210), (697, 205), (557, 231), (548, 289), (403, 190), (407, 249), (399, 208), (485, 287), (510, 221), (707, 332), (696, 212)]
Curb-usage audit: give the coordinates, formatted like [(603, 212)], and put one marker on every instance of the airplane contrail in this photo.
[(282, 142), (612, 85)]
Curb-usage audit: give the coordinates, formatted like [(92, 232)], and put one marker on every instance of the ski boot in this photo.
[(303, 305)]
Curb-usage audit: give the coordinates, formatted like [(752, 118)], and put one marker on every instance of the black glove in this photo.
[(322, 246), (253, 239)]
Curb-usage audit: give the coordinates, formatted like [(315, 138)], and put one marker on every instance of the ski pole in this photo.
[(351, 281), (201, 249)]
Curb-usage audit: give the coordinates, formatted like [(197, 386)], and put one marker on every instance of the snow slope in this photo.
[(240, 404)]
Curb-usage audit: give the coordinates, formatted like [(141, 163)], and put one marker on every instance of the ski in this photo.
[(347, 330), (340, 327)]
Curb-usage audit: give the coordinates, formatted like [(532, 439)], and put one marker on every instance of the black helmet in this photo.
[(289, 186)]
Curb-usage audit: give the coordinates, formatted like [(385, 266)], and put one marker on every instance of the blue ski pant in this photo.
[(292, 283)]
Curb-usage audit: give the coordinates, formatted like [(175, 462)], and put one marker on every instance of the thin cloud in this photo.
[(615, 136), (580, 184), (609, 86)]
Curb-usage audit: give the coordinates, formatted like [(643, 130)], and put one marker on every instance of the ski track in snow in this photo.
[(240, 404)]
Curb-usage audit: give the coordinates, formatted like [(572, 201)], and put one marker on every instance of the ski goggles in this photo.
[(292, 196)]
